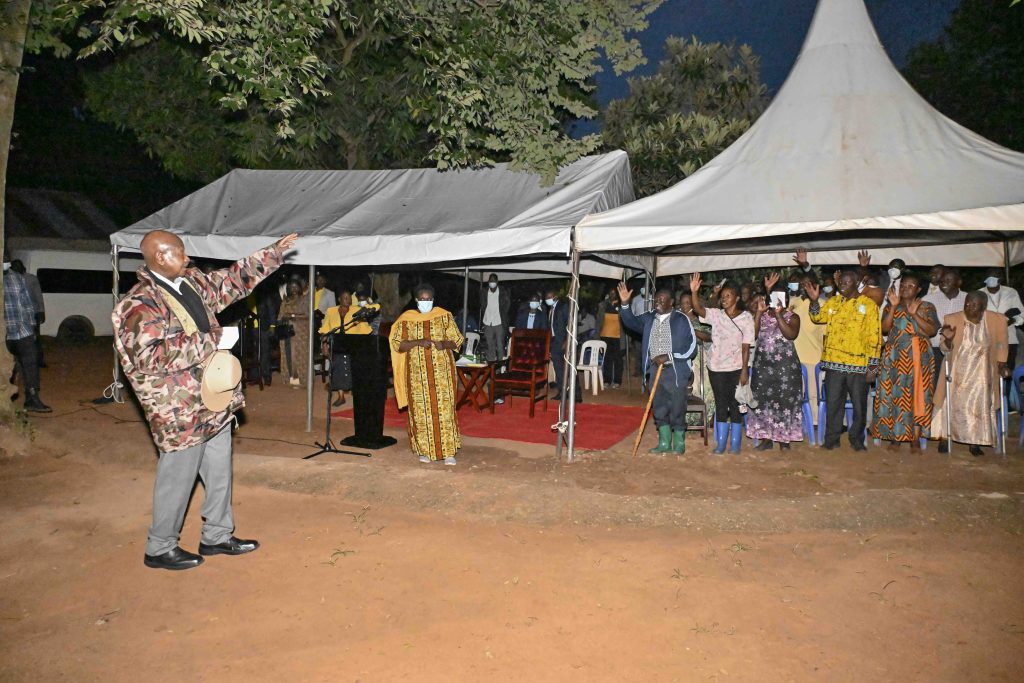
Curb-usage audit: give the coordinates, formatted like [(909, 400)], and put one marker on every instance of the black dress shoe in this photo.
[(232, 546), (175, 558), (860, 447)]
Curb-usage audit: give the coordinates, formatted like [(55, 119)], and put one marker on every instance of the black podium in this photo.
[(369, 355)]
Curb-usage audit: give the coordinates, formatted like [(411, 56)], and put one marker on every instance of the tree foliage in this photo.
[(701, 99), (974, 72), (373, 83)]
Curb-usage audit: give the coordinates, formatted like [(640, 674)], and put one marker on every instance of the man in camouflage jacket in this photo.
[(164, 331)]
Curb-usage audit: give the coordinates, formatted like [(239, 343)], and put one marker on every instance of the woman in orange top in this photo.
[(610, 331)]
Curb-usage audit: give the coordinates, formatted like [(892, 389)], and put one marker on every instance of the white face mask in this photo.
[(794, 286), (827, 289), (425, 306), (990, 282), (894, 273), (492, 285), (534, 305), (7, 265), (549, 302), (362, 303)]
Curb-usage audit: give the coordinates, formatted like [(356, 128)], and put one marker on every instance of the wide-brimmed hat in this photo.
[(221, 374)]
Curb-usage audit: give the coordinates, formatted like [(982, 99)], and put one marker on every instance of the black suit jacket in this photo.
[(540, 319), (559, 323)]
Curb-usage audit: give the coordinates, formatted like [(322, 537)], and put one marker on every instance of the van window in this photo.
[(68, 281)]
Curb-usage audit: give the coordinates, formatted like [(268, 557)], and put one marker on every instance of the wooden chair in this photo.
[(695, 404), (526, 373)]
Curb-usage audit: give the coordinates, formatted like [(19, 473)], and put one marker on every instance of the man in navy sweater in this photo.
[(668, 341)]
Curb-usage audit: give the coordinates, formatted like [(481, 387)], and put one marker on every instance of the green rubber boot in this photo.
[(664, 440), (679, 442)]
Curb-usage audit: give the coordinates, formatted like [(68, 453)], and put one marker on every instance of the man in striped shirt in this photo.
[(20, 316)]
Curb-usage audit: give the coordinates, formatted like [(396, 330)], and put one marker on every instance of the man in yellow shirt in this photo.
[(853, 344)]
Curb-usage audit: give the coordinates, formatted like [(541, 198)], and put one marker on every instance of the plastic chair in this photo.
[(591, 364), (472, 341), (808, 416)]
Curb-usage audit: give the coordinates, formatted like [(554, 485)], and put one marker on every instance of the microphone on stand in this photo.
[(366, 314)]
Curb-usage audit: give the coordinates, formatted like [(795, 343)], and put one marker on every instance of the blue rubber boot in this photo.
[(735, 436), (721, 435)]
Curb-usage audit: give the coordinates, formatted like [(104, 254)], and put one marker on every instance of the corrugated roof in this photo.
[(43, 213)]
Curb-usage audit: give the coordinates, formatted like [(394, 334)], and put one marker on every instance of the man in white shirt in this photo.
[(935, 278), (323, 298), (494, 303), (947, 300), (1007, 301)]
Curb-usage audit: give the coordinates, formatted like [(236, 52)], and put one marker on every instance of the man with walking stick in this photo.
[(668, 344)]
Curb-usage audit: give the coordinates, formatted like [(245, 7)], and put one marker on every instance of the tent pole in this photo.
[(465, 299), (115, 264), (574, 313), (1006, 260), (309, 350)]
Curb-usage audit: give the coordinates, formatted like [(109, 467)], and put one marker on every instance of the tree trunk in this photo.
[(13, 27), (392, 301)]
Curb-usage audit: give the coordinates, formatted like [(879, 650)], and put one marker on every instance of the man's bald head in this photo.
[(164, 253)]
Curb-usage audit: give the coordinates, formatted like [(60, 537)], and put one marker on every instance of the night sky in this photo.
[(775, 29)]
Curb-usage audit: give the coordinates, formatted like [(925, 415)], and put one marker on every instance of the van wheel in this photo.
[(75, 330)]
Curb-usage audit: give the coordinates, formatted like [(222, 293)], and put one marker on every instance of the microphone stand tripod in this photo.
[(328, 446)]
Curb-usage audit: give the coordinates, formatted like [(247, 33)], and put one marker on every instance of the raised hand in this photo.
[(864, 258), (759, 306), (813, 290), (893, 296), (800, 257), (913, 306), (770, 281), (624, 294), (695, 283), (286, 243), (947, 332)]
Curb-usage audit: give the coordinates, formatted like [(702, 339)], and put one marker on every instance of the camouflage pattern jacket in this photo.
[(163, 363)]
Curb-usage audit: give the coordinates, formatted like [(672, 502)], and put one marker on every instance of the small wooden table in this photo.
[(476, 386)]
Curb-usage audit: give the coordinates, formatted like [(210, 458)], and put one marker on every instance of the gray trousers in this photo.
[(494, 335), (176, 477)]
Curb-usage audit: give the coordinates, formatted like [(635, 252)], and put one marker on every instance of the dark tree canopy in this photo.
[(974, 73)]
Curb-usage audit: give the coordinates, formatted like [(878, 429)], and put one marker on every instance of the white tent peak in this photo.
[(846, 145)]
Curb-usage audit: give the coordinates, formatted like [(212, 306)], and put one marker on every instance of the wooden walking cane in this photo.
[(647, 410)]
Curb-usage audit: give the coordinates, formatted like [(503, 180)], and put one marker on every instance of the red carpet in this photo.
[(598, 426)]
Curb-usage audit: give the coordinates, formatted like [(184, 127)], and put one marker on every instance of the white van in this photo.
[(77, 280)]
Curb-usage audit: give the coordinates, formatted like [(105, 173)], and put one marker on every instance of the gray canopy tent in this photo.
[(396, 217)]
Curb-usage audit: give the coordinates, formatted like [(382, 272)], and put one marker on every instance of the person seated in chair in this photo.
[(531, 317)]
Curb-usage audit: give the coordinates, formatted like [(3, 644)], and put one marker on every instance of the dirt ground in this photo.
[(510, 566)]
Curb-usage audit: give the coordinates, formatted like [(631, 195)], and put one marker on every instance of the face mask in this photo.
[(827, 289), (534, 305), (894, 273), (860, 287), (991, 282), (362, 303), (493, 286), (7, 265), (549, 302), (643, 291), (794, 286), (425, 306)]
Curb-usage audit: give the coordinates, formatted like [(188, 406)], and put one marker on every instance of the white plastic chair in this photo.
[(472, 340), (591, 364)]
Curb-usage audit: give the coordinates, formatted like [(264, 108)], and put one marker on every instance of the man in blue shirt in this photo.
[(20, 316), (668, 341)]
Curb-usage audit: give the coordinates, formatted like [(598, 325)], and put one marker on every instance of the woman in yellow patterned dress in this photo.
[(422, 342)]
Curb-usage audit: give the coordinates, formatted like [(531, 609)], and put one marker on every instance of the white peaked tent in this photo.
[(847, 156)]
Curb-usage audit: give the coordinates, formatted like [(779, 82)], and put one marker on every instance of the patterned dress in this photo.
[(425, 382), (777, 385), (903, 397)]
